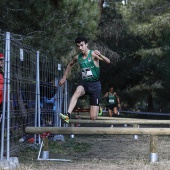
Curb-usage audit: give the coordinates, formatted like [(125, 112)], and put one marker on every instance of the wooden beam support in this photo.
[(99, 130), (153, 148), (153, 143), (102, 117), (119, 121)]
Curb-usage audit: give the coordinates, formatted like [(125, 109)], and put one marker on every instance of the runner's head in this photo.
[(82, 45), (111, 89), (1, 60), (78, 40)]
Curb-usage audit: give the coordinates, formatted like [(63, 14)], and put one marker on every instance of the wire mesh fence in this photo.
[(32, 96)]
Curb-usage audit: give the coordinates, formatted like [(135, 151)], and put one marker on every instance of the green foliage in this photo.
[(146, 17), (149, 21), (50, 26), (141, 39), (134, 36)]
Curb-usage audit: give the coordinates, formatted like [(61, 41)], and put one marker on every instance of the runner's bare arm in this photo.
[(118, 100), (119, 105), (106, 95), (69, 66), (100, 57)]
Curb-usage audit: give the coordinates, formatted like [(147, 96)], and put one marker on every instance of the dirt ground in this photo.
[(110, 152)]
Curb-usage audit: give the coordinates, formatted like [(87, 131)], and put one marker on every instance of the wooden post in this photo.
[(153, 148), (45, 151), (72, 135), (72, 124), (135, 136), (45, 143)]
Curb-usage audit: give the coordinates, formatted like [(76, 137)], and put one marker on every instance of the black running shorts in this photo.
[(93, 89)]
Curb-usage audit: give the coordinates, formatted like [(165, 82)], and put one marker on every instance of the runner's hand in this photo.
[(97, 52), (62, 81)]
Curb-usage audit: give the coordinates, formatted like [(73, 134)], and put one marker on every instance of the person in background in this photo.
[(1, 82), (113, 102), (88, 61)]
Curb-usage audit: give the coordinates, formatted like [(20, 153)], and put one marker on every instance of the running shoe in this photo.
[(100, 112), (64, 117)]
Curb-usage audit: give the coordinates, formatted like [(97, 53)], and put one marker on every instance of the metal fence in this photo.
[(32, 96)]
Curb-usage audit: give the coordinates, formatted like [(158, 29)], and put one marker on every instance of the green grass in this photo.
[(68, 147)]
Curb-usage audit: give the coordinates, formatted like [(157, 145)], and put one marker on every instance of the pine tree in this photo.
[(50, 26), (148, 21)]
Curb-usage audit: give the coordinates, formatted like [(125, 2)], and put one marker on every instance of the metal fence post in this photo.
[(7, 53)]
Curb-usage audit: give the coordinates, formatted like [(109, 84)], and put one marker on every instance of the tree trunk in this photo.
[(150, 102), (101, 6)]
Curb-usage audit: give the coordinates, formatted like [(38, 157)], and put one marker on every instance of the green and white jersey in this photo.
[(112, 99), (90, 72)]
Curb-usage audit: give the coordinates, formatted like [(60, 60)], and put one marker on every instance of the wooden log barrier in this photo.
[(107, 118), (119, 121), (85, 111), (99, 130), (114, 118), (153, 132), (135, 126)]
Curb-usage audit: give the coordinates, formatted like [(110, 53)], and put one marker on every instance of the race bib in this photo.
[(111, 101), (86, 73)]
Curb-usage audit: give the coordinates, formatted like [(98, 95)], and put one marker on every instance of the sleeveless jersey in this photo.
[(90, 72), (112, 99)]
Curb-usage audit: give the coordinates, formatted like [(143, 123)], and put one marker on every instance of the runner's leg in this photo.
[(115, 110), (110, 112), (94, 110), (94, 90), (79, 92)]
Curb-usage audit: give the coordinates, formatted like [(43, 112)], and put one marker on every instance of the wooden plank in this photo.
[(106, 118), (99, 130), (119, 121), (81, 110)]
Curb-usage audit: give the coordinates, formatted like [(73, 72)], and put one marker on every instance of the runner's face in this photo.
[(111, 89), (82, 46), (1, 63)]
